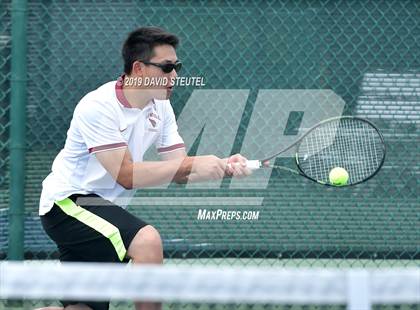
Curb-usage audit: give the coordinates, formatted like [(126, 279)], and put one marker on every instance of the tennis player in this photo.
[(102, 162)]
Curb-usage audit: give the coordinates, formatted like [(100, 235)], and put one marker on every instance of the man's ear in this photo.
[(137, 68)]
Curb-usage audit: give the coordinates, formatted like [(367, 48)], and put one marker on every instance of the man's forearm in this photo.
[(153, 173)]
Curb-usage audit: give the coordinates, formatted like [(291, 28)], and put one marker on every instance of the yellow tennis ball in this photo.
[(339, 176)]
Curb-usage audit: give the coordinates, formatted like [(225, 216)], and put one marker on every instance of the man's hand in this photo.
[(201, 168), (236, 166), (204, 168)]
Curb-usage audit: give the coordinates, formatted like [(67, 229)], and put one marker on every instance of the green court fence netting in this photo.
[(366, 52)]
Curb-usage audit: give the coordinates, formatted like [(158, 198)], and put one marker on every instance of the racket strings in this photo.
[(348, 143)]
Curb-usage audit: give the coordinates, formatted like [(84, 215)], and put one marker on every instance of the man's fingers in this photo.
[(236, 166), (240, 171), (238, 158)]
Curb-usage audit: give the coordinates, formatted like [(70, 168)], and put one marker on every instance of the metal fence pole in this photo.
[(17, 129)]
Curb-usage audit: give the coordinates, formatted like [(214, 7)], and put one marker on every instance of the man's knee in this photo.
[(146, 247)]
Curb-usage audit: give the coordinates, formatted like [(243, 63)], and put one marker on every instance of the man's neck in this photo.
[(136, 97)]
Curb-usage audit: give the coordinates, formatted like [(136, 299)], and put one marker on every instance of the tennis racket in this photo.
[(352, 143)]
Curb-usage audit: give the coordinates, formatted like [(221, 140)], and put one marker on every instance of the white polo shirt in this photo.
[(104, 120)]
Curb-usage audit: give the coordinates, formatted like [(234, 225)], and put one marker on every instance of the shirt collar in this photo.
[(120, 94)]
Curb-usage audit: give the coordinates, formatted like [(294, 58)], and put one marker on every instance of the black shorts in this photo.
[(88, 228)]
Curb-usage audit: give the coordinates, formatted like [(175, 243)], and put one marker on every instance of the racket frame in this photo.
[(299, 141)]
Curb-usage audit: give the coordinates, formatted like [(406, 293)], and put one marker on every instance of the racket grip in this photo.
[(253, 164)]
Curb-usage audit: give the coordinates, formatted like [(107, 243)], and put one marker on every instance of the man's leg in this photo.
[(146, 248), (82, 232)]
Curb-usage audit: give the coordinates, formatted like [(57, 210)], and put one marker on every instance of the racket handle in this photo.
[(253, 164)]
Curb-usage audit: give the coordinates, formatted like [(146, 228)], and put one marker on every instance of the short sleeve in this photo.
[(169, 139), (98, 126)]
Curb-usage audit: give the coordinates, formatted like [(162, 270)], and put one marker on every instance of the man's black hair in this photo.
[(140, 44)]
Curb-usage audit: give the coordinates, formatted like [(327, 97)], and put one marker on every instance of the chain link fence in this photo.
[(366, 52)]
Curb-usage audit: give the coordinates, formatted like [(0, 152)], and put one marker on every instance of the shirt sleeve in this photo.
[(169, 139), (99, 127)]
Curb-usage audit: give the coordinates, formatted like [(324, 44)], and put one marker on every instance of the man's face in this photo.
[(162, 54)]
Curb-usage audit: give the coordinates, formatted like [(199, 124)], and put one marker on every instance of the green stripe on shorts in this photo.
[(97, 223)]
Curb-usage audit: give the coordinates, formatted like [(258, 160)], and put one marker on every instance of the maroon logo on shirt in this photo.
[(153, 118)]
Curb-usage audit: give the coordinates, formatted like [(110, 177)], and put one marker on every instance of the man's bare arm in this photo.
[(129, 174)]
